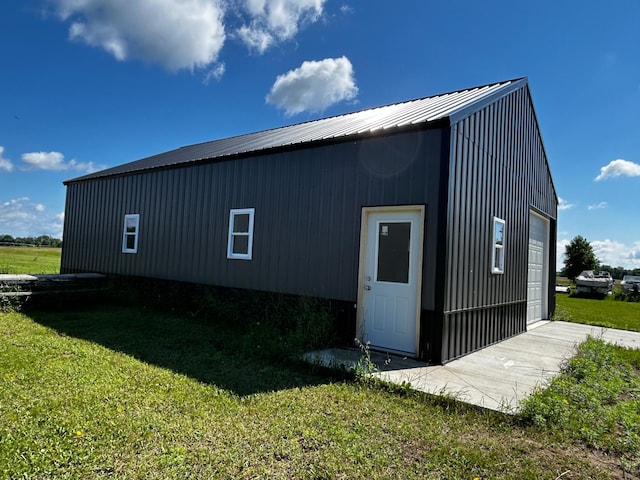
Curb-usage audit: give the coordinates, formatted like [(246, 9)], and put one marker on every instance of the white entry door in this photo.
[(537, 271), (390, 279)]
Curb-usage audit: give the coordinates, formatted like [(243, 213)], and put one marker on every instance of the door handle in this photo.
[(367, 287)]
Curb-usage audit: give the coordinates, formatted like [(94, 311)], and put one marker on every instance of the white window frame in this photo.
[(497, 248), (135, 234), (232, 235)]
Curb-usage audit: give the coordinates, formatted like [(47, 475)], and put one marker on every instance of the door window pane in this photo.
[(393, 252)]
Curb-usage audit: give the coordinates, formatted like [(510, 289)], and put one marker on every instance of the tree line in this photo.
[(41, 241), (579, 256)]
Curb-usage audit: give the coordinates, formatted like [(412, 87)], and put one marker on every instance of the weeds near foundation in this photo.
[(285, 327), (11, 302), (274, 327), (364, 369)]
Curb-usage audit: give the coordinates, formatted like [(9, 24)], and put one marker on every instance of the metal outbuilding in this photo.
[(432, 222)]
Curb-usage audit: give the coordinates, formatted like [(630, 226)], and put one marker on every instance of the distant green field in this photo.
[(607, 312), (29, 260)]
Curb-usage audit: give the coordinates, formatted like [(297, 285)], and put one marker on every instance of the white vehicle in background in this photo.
[(630, 284), (594, 283)]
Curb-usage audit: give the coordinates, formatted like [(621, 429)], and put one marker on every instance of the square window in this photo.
[(497, 259), (130, 233), (240, 242)]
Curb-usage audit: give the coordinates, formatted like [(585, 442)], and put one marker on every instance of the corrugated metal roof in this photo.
[(375, 120)]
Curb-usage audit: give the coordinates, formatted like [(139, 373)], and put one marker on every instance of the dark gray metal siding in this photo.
[(307, 215), (498, 168)]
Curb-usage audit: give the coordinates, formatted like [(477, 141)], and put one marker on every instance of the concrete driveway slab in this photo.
[(497, 377)]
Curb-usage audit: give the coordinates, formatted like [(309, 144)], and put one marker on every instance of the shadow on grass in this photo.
[(592, 296), (207, 351)]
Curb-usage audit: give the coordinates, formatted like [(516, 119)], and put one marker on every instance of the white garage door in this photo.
[(538, 270)]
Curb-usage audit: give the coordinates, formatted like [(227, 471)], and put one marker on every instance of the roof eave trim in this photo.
[(442, 122)]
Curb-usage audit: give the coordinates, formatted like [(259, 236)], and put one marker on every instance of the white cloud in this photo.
[(55, 225), (617, 254), (5, 163), (346, 9), (177, 34), (276, 20), (20, 217), (55, 161), (314, 86), (561, 245), (617, 168), (184, 34), (255, 38), (215, 73), (598, 206), (563, 204), (609, 252), (45, 160)]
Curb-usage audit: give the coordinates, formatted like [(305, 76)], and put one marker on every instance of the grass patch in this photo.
[(596, 399), (124, 392), (210, 352), (34, 260), (607, 312)]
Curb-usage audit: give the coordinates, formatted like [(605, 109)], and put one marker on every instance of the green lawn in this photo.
[(607, 312), (29, 260), (113, 391), (126, 392)]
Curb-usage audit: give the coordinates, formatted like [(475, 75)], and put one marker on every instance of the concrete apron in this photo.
[(497, 377)]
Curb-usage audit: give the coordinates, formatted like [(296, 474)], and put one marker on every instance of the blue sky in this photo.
[(89, 84)]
